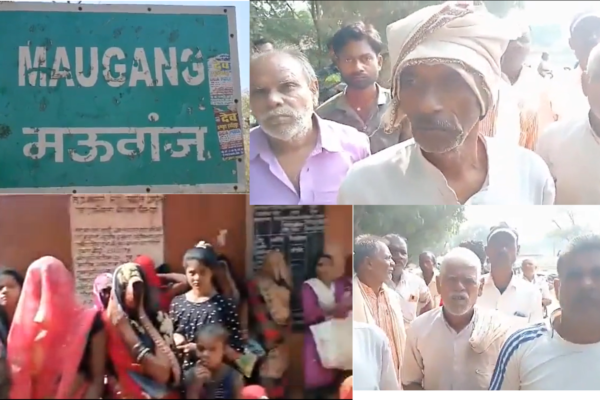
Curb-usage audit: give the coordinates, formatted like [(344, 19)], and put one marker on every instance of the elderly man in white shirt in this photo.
[(562, 353), (571, 147), (454, 347), (373, 368), (445, 81), (503, 290), (529, 269)]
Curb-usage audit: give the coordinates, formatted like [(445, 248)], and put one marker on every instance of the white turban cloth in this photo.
[(462, 35)]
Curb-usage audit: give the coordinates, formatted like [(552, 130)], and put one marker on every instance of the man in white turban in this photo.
[(445, 81)]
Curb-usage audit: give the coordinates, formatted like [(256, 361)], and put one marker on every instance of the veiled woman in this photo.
[(269, 294), (140, 341), (56, 346)]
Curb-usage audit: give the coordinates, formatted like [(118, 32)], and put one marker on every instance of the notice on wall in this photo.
[(110, 230)]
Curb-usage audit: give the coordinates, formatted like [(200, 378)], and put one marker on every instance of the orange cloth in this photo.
[(346, 388), (383, 315)]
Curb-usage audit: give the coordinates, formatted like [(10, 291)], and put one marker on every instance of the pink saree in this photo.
[(48, 334)]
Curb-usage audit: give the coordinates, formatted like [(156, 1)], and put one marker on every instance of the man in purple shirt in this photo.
[(295, 156)]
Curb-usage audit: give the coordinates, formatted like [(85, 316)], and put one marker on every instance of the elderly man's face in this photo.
[(281, 97), (459, 286), (440, 105)]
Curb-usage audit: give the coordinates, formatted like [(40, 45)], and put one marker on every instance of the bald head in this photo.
[(461, 257)]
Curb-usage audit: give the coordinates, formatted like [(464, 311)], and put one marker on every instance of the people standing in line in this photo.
[(429, 273), (504, 291), (563, 352), (373, 365), (56, 346), (454, 347), (357, 53), (373, 301), (295, 156), (323, 298), (529, 269), (529, 89), (572, 145), (445, 81), (414, 294)]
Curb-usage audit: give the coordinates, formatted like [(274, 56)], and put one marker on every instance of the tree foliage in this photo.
[(425, 227), (310, 24)]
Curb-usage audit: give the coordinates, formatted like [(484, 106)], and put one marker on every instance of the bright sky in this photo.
[(531, 221), (561, 12), (242, 12)]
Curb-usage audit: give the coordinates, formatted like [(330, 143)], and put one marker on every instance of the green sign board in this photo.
[(119, 98)]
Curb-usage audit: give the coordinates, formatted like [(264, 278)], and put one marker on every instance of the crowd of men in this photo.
[(466, 121), (461, 329)]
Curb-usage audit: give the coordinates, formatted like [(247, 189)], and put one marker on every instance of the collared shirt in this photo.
[(337, 109), (401, 175), (373, 368), (572, 151), (433, 290), (538, 358), (414, 294), (541, 284), (339, 147), (382, 315), (521, 300), (439, 358)]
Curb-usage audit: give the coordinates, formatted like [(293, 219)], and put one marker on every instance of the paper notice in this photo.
[(109, 230), (220, 80)]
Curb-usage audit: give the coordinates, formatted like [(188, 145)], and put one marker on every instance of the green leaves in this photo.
[(425, 227)]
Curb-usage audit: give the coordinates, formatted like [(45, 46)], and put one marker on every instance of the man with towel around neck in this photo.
[(372, 300), (445, 81), (456, 346)]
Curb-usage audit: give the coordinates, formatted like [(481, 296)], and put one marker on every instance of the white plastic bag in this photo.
[(334, 343)]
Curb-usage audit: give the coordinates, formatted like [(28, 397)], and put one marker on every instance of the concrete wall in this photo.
[(32, 226)]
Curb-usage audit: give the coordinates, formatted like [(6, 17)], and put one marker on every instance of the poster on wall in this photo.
[(110, 230)]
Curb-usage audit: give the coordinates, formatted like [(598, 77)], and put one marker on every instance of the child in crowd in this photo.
[(211, 377)]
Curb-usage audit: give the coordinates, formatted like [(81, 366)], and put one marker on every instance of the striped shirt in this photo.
[(537, 358)]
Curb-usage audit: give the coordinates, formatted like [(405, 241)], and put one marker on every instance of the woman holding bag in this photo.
[(326, 297)]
